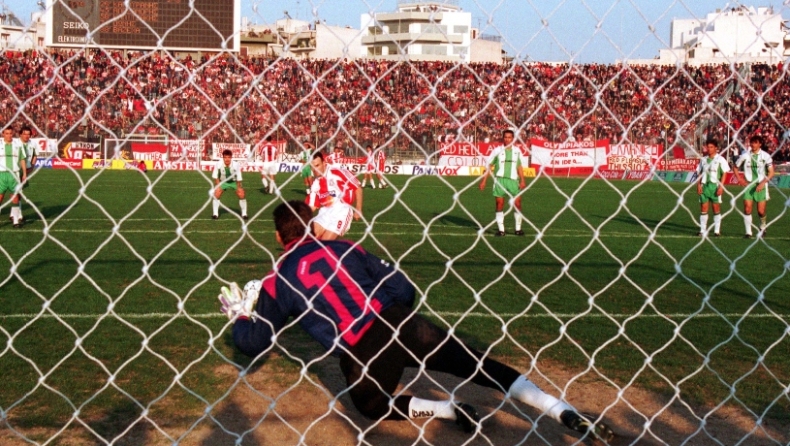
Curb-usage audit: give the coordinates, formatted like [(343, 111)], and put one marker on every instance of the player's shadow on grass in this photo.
[(451, 220), (229, 424), (121, 422), (47, 212), (652, 224)]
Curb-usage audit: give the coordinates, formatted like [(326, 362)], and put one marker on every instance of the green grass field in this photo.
[(108, 293)]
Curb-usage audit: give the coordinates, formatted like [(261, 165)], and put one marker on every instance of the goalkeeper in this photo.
[(351, 302)]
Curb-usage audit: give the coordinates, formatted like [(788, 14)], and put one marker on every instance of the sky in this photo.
[(585, 31)]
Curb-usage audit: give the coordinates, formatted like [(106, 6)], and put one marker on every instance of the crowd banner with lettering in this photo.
[(459, 153), (678, 164), (569, 158), (633, 156), (79, 150), (152, 151), (240, 151), (45, 147), (185, 149)]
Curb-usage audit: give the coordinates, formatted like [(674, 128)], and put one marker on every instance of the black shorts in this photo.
[(418, 341)]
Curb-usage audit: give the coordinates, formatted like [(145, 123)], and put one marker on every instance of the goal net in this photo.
[(599, 260)]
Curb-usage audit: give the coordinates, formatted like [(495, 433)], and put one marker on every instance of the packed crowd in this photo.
[(228, 98)]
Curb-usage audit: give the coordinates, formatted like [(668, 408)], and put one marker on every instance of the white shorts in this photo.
[(336, 218), (269, 168)]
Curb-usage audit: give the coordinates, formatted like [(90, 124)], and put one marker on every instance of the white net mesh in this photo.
[(609, 302)]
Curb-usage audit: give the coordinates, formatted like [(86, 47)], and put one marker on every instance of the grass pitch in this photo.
[(108, 305)]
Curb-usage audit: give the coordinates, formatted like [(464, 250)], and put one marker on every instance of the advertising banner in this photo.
[(65, 163)]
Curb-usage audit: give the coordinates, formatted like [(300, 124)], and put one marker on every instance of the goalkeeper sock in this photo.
[(747, 223), (717, 223), (16, 214), (243, 206), (527, 392), (703, 223), (763, 222), (500, 221), (215, 207), (420, 408), (517, 216)]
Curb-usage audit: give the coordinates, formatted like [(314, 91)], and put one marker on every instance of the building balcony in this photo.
[(387, 17), (412, 38), (260, 38)]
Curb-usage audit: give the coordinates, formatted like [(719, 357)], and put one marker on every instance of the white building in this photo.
[(14, 35), (742, 34), (301, 40), (420, 30)]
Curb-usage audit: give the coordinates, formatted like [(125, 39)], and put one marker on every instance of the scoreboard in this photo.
[(145, 24)]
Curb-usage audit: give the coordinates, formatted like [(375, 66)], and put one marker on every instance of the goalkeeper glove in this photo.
[(236, 304)]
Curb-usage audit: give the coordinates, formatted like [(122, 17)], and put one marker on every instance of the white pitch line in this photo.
[(471, 233), (441, 314)]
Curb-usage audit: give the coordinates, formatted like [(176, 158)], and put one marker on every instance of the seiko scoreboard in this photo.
[(145, 24)]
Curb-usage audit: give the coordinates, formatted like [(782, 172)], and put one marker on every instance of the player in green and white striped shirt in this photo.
[(711, 171), (11, 166), (307, 171), (758, 168), (504, 165), (227, 176)]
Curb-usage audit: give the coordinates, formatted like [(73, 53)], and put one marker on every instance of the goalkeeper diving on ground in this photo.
[(360, 308)]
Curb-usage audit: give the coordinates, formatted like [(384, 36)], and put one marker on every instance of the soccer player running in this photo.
[(307, 171), (758, 169), (13, 173), (711, 170), (360, 308), (268, 155), (504, 165), (227, 176), (332, 193)]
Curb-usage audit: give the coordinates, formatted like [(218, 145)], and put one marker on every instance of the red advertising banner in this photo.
[(65, 163)]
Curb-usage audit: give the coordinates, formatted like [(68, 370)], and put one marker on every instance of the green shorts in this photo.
[(505, 187), (228, 185), (751, 193), (8, 183), (307, 171), (709, 194)]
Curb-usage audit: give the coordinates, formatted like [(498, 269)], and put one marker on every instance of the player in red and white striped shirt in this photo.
[(334, 192), (268, 155)]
